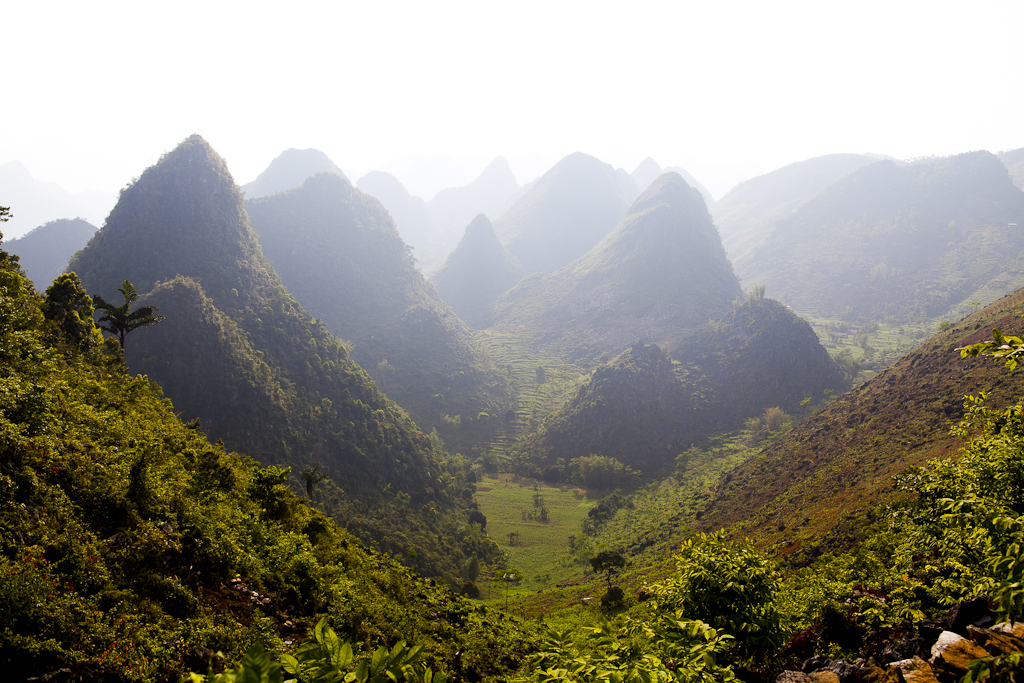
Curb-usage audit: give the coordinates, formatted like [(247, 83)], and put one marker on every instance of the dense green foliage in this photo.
[(46, 250), (566, 213), (815, 486), (477, 273), (644, 409), (905, 240), (338, 253), (239, 353), (131, 548)]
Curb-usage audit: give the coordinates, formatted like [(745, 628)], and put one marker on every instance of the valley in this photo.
[(578, 419)]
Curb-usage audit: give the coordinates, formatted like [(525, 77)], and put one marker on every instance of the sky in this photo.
[(96, 92)]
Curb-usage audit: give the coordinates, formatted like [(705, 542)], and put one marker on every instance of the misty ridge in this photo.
[(345, 432)]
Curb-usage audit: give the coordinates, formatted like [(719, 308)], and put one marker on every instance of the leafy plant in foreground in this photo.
[(325, 659)]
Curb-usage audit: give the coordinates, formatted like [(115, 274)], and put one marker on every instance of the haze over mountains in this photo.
[(659, 273), (906, 240), (338, 252), (566, 213), (46, 250), (238, 352), (748, 212), (288, 170), (592, 319), (38, 202), (476, 273)]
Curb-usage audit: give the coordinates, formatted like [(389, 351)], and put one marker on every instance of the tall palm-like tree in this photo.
[(121, 320)]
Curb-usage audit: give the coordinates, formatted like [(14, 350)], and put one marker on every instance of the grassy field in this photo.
[(540, 551)]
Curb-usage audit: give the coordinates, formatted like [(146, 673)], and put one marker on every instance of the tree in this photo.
[(311, 477), (121, 320), (608, 561), (70, 309), (5, 214), (508, 577)]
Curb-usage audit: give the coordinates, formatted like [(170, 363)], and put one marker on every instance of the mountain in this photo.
[(35, 202), (454, 207), (644, 407), (659, 274), (238, 352), (907, 240), (478, 272), (46, 250), (570, 209), (830, 471), (747, 213), (1014, 161), (133, 548), (648, 171), (288, 170), (411, 216), (338, 251)]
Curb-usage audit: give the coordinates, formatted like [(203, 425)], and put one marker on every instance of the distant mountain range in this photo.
[(648, 171), (288, 170), (411, 215), (46, 250), (338, 252), (748, 212), (566, 213), (478, 272), (35, 202), (658, 274), (913, 241)]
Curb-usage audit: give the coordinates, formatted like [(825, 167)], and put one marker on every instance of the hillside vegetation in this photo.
[(911, 241), (239, 353), (133, 549), (838, 464), (410, 214), (338, 253), (643, 408)]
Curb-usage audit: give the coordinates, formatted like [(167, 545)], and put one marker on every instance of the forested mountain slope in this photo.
[(132, 549), (46, 250), (661, 273), (338, 252), (747, 213), (838, 464), (411, 216), (566, 213), (907, 240), (288, 170), (644, 407), (478, 272), (238, 352)]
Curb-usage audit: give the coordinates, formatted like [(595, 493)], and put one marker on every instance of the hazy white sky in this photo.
[(95, 92)]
